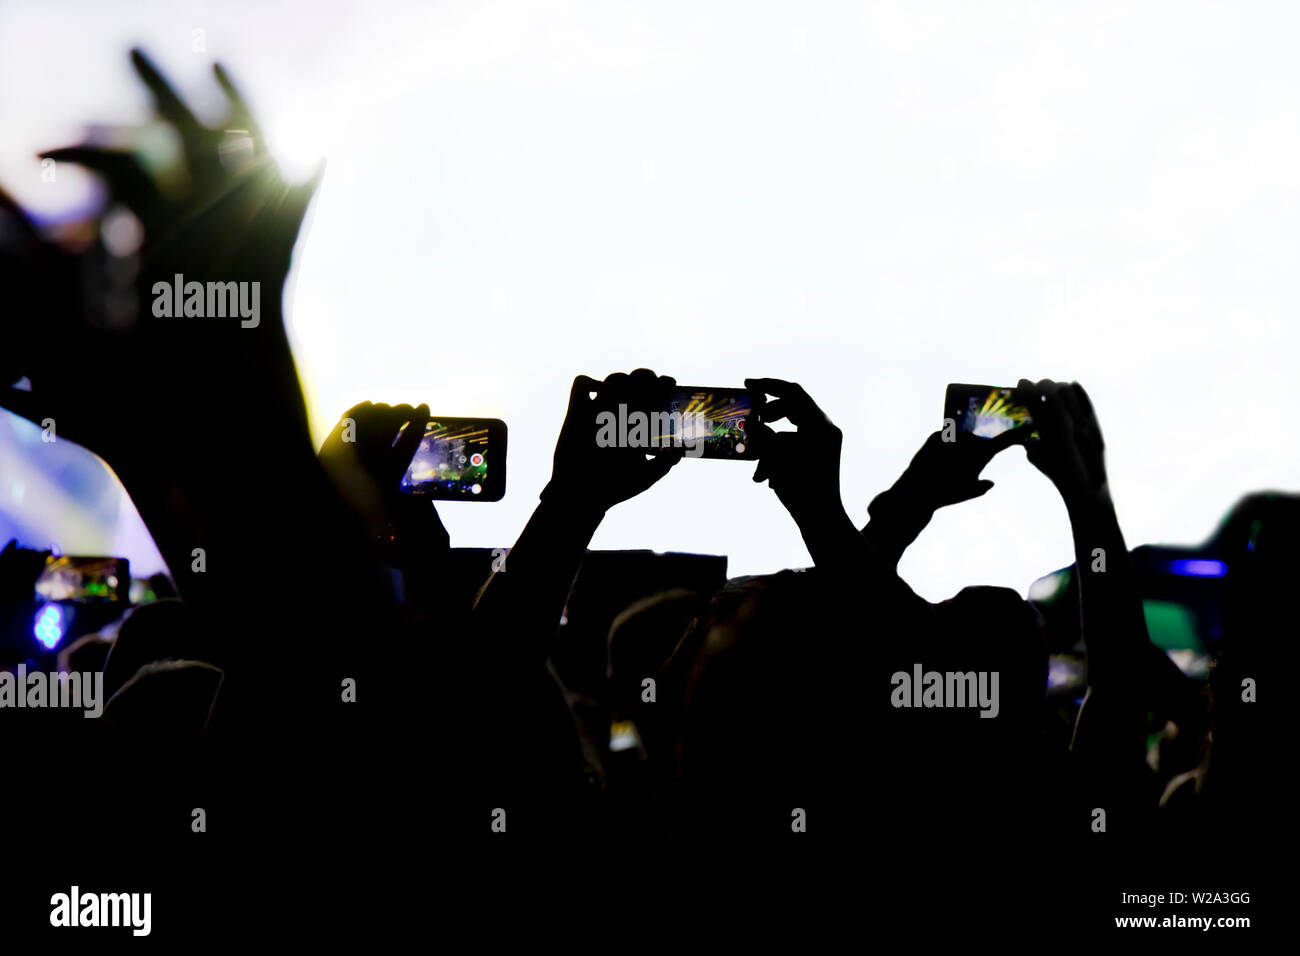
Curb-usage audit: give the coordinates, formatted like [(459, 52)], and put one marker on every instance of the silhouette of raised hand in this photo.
[(1070, 449), (366, 455), (594, 478), (945, 473), (783, 456), (941, 473), (183, 407), (237, 221), (1109, 733), (519, 611)]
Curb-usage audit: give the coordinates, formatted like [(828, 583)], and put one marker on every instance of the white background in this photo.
[(873, 199)]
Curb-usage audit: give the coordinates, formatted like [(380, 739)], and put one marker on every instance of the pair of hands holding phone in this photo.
[(1066, 446), (624, 473)]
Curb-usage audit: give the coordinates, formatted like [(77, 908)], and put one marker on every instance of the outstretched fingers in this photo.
[(127, 179), (240, 115), (169, 105)]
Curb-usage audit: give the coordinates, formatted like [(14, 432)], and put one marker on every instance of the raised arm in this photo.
[(1110, 732), (945, 471), (520, 606), (839, 550)]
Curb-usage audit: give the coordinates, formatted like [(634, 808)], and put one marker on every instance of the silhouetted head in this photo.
[(643, 637), (151, 632), (165, 702)]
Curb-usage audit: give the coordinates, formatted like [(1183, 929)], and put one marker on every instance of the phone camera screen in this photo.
[(452, 459), (989, 414), (719, 423)]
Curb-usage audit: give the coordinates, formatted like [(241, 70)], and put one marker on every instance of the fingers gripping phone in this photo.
[(459, 459), (986, 411)]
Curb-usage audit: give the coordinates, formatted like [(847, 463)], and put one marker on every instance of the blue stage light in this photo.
[(1199, 568), (49, 627)]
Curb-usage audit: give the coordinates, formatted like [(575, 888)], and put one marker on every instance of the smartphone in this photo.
[(85, 579), (986, 410), (459, 459), (717, 422)]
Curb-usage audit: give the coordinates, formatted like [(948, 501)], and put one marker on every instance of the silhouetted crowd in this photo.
[(353, 702)]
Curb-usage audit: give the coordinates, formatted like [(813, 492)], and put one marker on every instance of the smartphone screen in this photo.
[(717, 422), (459, 459), (986, 410), (74, 578)]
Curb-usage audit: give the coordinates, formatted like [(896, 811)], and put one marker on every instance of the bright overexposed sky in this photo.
[(872, 199)]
